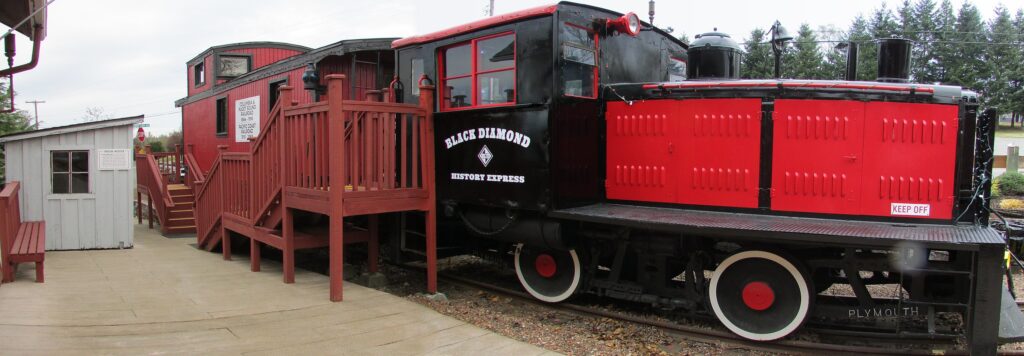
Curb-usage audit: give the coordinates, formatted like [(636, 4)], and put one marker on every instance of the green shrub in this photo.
[(1010, 184), (994, 192)]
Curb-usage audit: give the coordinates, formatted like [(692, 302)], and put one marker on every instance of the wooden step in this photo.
[(183, 213), (182, 199)]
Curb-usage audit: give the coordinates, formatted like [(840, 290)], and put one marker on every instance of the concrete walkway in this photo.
[(164, 296)]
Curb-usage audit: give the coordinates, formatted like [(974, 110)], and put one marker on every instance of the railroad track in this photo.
[(712, 336)]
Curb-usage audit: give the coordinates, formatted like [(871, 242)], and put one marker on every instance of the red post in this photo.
[(373, 245), (138, 205), (225, 242), (149, 208), (336, 130), (177, 163), (427, 104), (288, 252), (254, 255)]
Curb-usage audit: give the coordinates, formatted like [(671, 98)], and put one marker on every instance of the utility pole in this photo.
[(490, 9), (35, 104)]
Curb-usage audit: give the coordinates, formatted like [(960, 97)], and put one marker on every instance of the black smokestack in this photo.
[(894, 60)]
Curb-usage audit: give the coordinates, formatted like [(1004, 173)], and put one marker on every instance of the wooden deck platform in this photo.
[(166, 296)]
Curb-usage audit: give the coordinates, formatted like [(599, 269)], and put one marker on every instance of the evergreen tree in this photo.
[(833, 67), (1016, 72), (758, 62), (966, 65), (804, 61), (866, 67), (943, 48), (1000, 60), (11, 122), (925, 62)]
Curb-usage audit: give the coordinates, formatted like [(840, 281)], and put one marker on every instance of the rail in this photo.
[(150, 179), (267, 160), (236, 170), (193, 173), (169, 165), (209, 202), (10, 220)]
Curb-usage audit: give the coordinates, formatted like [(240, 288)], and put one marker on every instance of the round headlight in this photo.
[(632, 24)]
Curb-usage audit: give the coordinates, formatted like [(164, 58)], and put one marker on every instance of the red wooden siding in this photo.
[(199, 119), (260, 57)]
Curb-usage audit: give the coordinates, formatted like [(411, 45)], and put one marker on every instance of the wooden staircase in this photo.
[(169, 202), (181, 218), (332, 159)]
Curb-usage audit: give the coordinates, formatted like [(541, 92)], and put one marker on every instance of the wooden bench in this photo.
[(20, 242)]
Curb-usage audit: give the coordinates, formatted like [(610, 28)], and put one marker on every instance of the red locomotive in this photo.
[(617, 161)]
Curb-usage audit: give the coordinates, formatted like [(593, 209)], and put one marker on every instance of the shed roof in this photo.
[(86, 126), (13, 12)]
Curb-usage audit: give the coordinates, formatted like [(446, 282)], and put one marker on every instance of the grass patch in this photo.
[(1004, 130)]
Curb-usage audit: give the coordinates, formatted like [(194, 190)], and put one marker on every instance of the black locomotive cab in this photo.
[(518, 121)]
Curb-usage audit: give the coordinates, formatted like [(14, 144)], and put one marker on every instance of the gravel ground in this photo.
[(564, 332)]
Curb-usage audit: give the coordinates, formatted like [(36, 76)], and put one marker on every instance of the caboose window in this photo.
[(480, 72), (200, 74), (222, 117), (579, 62)]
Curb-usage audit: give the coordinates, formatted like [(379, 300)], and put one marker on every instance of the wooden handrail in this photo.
[(150, 179), (10, 221)]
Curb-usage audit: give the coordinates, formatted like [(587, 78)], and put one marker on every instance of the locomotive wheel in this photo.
[(760, 295), (549, 275)]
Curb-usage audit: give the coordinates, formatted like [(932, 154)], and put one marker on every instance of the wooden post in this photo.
[(288, 252), (177, 163), (225, 242), (374, 95), (254, 255), (138, 204), (149, 208), (373, 245), (427, 104), (336, 130), (149, 149), (1012, 158), (285, 97)]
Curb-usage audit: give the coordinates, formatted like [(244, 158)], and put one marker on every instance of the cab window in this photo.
[(579, 61), (479, 73)]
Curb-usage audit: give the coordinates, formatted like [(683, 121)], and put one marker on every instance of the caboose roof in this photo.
[(241, 45), (335, 49)]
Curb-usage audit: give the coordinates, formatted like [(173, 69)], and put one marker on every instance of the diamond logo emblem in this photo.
[(485, 155)]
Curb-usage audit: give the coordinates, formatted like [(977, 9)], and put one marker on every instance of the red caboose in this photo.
[(231, 88)]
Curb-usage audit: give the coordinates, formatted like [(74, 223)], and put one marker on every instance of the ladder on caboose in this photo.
[(383, 164)]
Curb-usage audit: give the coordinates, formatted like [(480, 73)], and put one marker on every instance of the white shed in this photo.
[(79, 179)]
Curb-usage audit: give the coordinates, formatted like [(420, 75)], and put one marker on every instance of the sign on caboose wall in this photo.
[(247, 118)]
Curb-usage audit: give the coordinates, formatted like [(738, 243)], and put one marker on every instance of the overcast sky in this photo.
[(128, 56)]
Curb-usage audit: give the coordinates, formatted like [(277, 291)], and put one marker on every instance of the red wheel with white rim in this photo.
[(760, 295), (549, 275)]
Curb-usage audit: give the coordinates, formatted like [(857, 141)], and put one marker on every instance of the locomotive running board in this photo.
[(781, 228)]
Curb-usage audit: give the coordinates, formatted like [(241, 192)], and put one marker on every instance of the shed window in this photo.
[(579, 61), (222, 117), (199, 73), (70, 172), (480, 73)]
